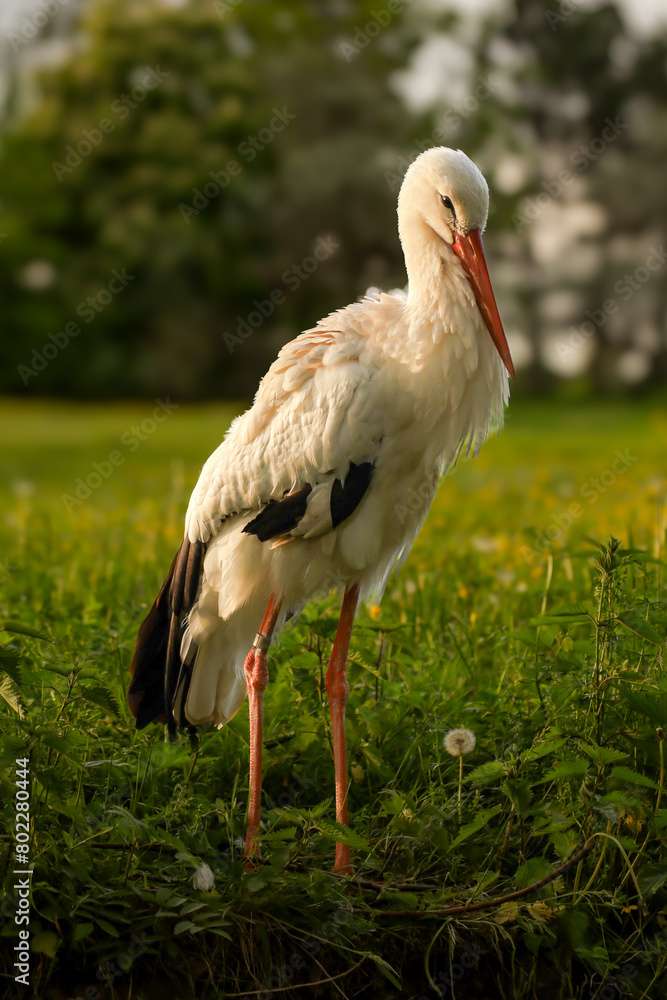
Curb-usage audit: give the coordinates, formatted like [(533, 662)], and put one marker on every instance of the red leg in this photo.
[(257, 677), (337, 690)]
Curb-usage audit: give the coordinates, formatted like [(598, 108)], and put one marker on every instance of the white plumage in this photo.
[(403, 382)]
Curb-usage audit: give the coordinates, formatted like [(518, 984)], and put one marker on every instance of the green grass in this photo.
[(509, 619)]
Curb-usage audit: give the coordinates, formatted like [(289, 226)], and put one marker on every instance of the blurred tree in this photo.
[(196, 184), (201, 180), (573, 135)]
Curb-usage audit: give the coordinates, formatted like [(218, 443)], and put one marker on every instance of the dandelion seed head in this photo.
[(459, 742), (203, 878)]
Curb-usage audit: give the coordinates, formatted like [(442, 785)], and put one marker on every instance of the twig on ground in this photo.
[(489, 904)]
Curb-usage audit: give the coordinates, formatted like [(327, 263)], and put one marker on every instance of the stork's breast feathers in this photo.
[(317, 421)]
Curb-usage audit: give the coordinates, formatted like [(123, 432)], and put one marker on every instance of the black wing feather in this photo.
[(279, 516), (347, 495)]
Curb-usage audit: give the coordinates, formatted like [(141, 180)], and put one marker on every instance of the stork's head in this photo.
[(445, 198)]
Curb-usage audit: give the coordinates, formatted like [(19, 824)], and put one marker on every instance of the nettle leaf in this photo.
[(653, 706), (484, 880), (487, 774), (344, 835), (635, 623), (519, 794), (542, 750), (470, 829), (532, 871), (603, 755), (551, 820), (60, 744), (564, 843), (596, 954), (575, 767), (101, 696), (280, 835), (630, 777), (393, 803)]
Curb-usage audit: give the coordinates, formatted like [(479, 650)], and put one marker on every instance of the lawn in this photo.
[(515, 617)]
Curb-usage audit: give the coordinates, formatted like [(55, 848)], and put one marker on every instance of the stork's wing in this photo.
[(302, 457)]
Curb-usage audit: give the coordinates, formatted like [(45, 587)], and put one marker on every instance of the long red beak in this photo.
[(470, 250)]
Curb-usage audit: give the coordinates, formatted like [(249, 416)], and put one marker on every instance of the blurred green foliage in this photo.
[(187, 146), (194, 184)]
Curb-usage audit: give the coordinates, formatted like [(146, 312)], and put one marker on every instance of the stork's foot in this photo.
[(251, 850), (250, 864)]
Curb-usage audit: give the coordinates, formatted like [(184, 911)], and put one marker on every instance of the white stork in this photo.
[(325, 481)]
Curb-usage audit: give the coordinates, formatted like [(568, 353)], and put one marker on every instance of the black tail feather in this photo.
[(156, 666), (171, 667)]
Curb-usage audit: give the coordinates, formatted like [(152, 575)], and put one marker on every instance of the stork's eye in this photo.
[(447, 202)]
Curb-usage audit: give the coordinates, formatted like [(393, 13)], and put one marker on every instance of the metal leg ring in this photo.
[(261, 642)]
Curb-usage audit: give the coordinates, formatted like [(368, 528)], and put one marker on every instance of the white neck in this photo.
[(439, 299), (423, 262)]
